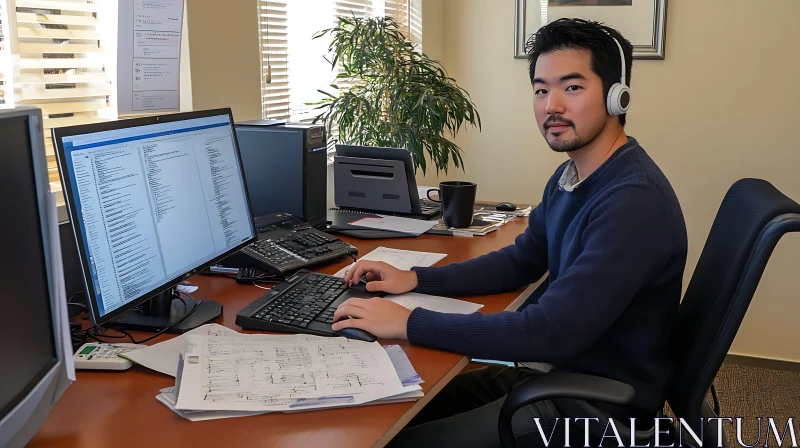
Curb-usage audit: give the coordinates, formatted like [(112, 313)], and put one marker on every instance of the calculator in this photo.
[(97, 356)]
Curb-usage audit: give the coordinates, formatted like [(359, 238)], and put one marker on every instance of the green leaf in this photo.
[(389, 94)]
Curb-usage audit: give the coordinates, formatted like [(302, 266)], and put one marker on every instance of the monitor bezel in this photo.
[(30, 411), (58, 136)]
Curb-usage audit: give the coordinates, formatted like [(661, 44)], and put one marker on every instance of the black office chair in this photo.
[(753, 216)]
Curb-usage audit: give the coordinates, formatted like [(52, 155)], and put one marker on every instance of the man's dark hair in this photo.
[(584, 34)]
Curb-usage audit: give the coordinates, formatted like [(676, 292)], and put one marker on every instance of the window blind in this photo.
[(296, 62), (58, 63), (4, 54), (274, 33)]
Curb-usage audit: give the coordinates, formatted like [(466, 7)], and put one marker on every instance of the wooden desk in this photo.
[(105, 409)]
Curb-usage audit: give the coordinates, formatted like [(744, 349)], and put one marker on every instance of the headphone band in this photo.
[(622, 59), (618, 98)]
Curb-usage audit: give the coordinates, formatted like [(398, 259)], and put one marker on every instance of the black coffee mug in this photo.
[(458, 202)]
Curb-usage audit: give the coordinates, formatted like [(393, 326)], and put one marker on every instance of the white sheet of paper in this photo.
[(397, 224), (262, 372), (148, 54), (413, 300), (62, 315), (401, 259), (163, 357)]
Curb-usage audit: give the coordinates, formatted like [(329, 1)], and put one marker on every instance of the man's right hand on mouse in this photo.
[(382, 277)]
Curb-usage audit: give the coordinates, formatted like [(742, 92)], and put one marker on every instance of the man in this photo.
[(611, 235)]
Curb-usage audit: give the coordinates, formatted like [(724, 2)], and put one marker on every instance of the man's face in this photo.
[(568, 99)]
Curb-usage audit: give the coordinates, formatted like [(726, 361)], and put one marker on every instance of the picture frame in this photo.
[(642, 22)]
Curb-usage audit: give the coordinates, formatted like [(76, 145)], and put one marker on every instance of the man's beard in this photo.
[(563, 145), (566, 145)]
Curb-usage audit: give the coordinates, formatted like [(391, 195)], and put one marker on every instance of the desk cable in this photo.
[(79, 336)]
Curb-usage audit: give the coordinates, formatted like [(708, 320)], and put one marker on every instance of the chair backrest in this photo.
[(752, 218)]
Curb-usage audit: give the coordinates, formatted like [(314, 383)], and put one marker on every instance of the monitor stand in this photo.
[(164, 309)]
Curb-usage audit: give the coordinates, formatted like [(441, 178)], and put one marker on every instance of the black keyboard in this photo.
[(286, 244), (304, 303), (299, 246)]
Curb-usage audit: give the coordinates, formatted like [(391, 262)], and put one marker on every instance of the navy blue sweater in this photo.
[(615, 250)]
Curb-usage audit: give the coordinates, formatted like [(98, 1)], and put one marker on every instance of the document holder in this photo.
[(371, 184)]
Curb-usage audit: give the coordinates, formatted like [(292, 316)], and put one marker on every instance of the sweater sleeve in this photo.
[(625, 244), (507, 269)]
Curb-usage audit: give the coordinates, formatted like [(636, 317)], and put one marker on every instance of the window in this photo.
[(4, 57), (293, 66), (54, 57)]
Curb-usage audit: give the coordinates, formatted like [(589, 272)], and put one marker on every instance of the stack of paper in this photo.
[(479, 227), (223, 374), (408, 377)]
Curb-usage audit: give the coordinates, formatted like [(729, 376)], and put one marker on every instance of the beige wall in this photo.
[(224, 56), (721, 106)]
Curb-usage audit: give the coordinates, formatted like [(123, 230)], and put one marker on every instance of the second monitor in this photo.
[(153, 201), (286, 169)]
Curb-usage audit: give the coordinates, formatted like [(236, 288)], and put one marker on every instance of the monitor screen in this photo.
[(28, 348), (153, 203)]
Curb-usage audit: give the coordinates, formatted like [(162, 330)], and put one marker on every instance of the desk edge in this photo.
[(457, 368)]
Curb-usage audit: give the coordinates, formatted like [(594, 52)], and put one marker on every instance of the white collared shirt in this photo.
[(569, 177)]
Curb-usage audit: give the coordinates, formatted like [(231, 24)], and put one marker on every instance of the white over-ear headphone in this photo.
[(619, 95)]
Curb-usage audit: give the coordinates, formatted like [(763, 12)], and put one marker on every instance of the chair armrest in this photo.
[(559, 385)]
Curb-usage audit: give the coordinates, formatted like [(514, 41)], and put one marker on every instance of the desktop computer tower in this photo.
[(285, 169)]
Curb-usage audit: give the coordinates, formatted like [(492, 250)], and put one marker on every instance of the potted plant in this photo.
[(389, 94)]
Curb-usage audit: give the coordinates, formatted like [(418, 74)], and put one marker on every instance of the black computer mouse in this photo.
[(355, 333), (506, 207), (361, 285)]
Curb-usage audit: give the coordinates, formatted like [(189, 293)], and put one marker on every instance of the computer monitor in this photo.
[(33, 367), (152, 201)]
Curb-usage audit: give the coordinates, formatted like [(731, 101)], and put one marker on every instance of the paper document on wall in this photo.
[(413, 300), (283, 372), (401, 259), (148, 55)]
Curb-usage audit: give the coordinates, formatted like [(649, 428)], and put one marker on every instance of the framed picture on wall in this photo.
[(643, 22)]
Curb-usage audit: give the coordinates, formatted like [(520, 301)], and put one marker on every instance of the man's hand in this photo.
[(381, 277), (381, 317)]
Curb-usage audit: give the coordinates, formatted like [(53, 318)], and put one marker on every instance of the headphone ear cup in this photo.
[(619, 99)]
